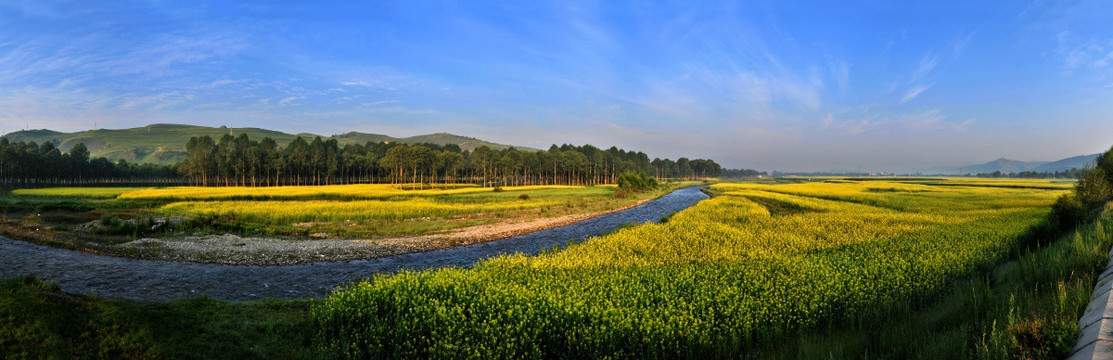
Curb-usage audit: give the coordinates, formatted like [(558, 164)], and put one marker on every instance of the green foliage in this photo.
[(239, 161), (34, 204), (39, 321), (1094, 186), (630, 182), (255, 157), (1069, 210), (33, 165), (1093, 189)]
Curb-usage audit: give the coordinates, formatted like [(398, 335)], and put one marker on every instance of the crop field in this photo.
[(731, 276), (77, 192), (338, 211), (357, 210), (362, 191), (376, 210)]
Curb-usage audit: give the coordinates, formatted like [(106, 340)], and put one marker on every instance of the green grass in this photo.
[(39, 321), (77, 192), (1026, 308)]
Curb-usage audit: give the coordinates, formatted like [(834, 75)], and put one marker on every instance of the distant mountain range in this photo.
[(1006, 166), (165, 143)]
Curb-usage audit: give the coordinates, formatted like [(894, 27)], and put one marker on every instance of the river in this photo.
[(153, 280)]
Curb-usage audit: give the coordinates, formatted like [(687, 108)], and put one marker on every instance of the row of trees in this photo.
[(742, 173), (246, 162), (1066, 174), (32, 164)]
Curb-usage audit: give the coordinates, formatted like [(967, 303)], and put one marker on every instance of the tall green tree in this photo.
[(79, 161)]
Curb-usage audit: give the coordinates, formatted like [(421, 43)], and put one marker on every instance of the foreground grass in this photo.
[(1025, 308), (39, 321)]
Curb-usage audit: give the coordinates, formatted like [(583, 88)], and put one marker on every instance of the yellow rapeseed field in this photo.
[(279, 212), (749, 265)]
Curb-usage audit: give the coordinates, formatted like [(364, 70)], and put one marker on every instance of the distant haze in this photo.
[(789, 86)]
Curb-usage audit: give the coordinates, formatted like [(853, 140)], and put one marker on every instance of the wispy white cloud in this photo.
[(961, 43), (890, 122), (290, 100), (927, 64), (154, 102), (840, 72), (32, 9), (1083, 53), (914, 91), (381, 103), (403, 110)]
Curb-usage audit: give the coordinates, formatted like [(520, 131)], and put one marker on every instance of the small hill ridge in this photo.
[(165, 143)]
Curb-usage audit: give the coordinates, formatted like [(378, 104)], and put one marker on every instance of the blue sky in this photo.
[(888, 86)]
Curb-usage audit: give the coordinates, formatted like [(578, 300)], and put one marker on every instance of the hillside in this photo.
[(1006, 166), (1003, 165), (466, 143), (165, 143), (1076, 162)]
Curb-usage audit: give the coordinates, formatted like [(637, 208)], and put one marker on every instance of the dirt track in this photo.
[(152, 280)]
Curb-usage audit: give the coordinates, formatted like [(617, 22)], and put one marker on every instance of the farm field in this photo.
[(386, 219), (830, 268), (733, 276)]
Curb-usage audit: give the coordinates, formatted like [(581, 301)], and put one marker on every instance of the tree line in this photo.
[(242, 161), (29, 164), (742, 173), (1065, 174)]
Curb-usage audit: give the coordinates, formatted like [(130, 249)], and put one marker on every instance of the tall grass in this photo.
[(39, 321)]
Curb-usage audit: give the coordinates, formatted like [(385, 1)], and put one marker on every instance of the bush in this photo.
[(1069, 210), (523, 197), (631, 181), (1093, 187)]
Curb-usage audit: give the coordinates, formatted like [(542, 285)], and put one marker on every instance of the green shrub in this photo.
[(630, 182), (1069, 210)]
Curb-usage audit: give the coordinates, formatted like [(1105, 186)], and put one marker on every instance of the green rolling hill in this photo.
[(165, 143)]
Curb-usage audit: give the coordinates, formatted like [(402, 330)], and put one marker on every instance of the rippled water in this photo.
[(138, 279)]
